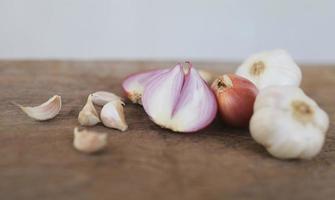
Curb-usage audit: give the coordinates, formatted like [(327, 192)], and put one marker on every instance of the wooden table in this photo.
[(146, 162)]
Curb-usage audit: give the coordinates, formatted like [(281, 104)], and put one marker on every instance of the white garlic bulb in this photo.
[(288, 123), (269, 68)]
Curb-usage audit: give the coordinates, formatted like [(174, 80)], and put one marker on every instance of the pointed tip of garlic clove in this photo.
[(88, 116), (89, 141), (45, 111), (112, 116), (102, 97), (122, 127)]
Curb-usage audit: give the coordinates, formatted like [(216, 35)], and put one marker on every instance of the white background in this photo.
[(172, 29)]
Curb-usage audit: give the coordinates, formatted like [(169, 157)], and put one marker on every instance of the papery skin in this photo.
[(134, 84), (274, 126), (280, 69), (182, 103), (235, 101)]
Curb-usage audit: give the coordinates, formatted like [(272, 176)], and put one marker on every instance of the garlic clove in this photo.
[(45, 111), (134, 84), (269, 68), (89, 141), (178, 101), (112, 115), (207, 76), (88, 116), (101, 97), (235, 96), (288, 123)]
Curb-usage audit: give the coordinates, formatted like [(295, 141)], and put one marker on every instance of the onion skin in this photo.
[(235, 96)]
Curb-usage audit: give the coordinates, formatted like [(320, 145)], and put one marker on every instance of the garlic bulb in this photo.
[(112, 115), (134, 84), (100, 98), (288, 123), (45, 111), (268, 68), (88, 116), (178, 101)]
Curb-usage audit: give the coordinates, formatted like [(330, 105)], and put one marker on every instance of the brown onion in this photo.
[(235, 96)]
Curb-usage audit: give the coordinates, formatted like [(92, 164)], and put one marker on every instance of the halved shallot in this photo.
[(179, 100)]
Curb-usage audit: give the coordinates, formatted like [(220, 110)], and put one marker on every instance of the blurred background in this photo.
[(220, 30)]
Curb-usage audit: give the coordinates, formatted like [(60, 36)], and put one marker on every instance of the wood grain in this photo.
[(147, 162)]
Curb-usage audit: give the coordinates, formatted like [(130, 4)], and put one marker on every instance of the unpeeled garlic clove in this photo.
[(101, 97), (270, 68), (112, 115), (207, 76), (178, 101), (134, 84), (45, 111), (88, 116), (288, 123), (89, 141), (235, 96)]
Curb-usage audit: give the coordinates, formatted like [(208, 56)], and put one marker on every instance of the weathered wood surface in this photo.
[(146, 162)]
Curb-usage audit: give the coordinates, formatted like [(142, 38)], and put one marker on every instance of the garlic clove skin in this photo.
[(235, 96), (100, 98), (270, 68), (89, 141), (178, 101), (88, 116), (45, 111), (288, 123), (112, 115), (134, 84), (207, 76)]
